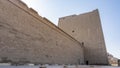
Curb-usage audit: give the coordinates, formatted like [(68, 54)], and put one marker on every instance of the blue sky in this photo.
[(109, 12)]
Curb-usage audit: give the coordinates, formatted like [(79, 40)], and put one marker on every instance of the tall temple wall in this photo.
[(26, 36), (87, 28)]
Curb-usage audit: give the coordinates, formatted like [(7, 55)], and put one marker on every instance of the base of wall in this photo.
[(56, 66)]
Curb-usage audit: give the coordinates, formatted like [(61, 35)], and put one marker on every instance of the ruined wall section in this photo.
[(87, 28), (24, 35)]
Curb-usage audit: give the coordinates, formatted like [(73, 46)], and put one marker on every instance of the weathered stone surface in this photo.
[(61, 66), (24, 35), (87, 28)]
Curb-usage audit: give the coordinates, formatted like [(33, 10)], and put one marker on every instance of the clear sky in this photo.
[(109, 12)]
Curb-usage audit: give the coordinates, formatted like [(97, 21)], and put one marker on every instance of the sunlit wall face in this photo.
[(109, 13)]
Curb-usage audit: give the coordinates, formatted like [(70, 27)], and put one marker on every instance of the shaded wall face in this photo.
[(118, 62), (87, 28), (24, 37)]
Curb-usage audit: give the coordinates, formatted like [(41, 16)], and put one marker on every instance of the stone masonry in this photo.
[(27, 37), (86, 28), (24, 35)]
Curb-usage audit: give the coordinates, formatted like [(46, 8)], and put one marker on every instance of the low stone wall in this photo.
[(60, 66)]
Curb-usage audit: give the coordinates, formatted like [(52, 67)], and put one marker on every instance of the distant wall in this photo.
[(118, 62), (87, 28), (25, 36)]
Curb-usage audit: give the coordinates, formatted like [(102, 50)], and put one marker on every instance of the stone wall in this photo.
[(26, 36), (87, 28), (60, 66), (118, 62)]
